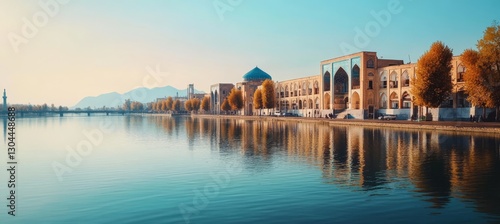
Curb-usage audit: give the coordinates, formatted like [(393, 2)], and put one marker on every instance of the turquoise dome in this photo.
[(256, 74)]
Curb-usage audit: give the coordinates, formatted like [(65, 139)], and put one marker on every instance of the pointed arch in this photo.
[(304, 88), (326, 101), (340, 89), (406, 100), (383, 80), (383, 101), (370, 99), (326, 81), (394, 80), (355, 77), (370, 63), (460, 73), (355, 101), (316, 87), (394, 100), (405, 79)]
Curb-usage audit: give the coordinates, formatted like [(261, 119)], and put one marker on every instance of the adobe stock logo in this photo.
[(39, 19), (372, 29)]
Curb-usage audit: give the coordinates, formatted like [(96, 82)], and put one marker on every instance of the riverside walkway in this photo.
[(455, 126)]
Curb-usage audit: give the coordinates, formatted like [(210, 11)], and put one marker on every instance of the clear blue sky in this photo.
[(92, 47)]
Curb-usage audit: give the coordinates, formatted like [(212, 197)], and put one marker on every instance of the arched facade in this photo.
[(361, 85)]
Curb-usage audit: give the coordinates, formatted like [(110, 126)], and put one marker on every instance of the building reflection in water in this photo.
[(435, 165)]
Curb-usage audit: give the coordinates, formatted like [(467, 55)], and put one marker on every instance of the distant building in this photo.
[(299, 96), (190, 91), (218, 93), (251, 81)]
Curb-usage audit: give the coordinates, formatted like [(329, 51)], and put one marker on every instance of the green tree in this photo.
[(433, 82), (225, 105), (205, 103), (268, 94), (257, 99), (235, 99)]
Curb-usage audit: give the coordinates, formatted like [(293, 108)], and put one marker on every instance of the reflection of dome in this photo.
[(256, 74)]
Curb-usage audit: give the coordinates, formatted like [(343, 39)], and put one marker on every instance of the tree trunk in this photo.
[(497, 117), (484, 114)]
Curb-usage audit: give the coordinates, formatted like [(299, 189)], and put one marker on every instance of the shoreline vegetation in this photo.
[(448, 126), (445, 126)]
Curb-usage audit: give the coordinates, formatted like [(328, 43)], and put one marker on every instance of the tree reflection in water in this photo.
[(435, 165)]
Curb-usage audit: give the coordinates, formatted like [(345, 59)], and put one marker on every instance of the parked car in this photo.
[(290, 115), (277, 114), (387, 117)]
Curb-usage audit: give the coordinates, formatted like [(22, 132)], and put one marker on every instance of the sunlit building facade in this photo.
[(355, 86), (363, 86)]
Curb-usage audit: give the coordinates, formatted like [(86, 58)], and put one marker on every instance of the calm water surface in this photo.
[(138, 169)]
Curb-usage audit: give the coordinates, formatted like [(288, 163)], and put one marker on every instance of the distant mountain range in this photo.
[(143, 95)]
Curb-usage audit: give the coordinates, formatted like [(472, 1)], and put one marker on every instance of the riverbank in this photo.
[(453, 126)]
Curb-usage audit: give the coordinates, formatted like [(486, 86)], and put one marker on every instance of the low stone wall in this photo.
[(491, 128)]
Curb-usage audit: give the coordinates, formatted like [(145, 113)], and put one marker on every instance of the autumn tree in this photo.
[(489, 51), (169, 103), (195, 103), (475, 82), (136, 106), (188, 105), (433, 82), (235, 99), (257, 99), (205, 103), (225, 105), (176, 105), (163, 105), (127, 105), (268, 94)]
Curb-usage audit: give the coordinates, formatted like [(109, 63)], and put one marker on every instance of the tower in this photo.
[(4, 100), (190, 91)]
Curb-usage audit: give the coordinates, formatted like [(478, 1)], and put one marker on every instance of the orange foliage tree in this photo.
[(432, 84)]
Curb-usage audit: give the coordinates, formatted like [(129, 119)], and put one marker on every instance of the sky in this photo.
[(60, 51)]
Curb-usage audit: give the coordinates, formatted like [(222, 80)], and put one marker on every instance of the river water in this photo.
[(151, 169)]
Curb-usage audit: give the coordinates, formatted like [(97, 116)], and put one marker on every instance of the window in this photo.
[(370, 84), (370, 63), (460, 73), (394, 80), (383, 81), (406, 79)]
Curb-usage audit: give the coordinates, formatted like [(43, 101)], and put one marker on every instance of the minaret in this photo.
[(190, 91), (4, 100)]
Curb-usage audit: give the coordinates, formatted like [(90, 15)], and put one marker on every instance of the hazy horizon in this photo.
[(62, 51)]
